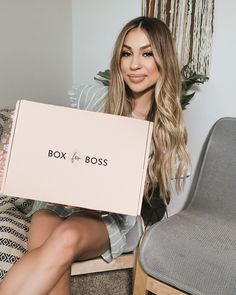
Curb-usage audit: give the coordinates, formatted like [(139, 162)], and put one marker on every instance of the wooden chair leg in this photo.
[(140, 280), (157, 287)]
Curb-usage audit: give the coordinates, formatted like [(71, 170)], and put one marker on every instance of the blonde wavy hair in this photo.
[(169, 158)]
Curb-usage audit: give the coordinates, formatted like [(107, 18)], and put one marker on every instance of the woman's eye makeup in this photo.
[(148, 53), (125, 53)]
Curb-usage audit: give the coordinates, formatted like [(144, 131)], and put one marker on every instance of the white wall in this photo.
[(217, 97), (36, 45), (96, 25), (35, 50)]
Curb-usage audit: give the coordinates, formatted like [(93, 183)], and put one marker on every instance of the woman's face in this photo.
[(138, 66)]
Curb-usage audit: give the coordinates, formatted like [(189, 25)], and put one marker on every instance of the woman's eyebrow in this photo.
[(142, 47)]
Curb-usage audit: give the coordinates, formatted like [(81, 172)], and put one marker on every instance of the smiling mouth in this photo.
[(136, 78)]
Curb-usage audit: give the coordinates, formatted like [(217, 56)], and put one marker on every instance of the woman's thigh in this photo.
[(86, 233), (43, 223)]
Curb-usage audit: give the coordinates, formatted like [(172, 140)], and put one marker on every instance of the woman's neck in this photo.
[(141, 105)]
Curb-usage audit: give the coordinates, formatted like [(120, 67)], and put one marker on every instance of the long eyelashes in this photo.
[(125, 53), (148, 53)]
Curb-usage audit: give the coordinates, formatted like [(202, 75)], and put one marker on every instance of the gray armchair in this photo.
[(194, 251)]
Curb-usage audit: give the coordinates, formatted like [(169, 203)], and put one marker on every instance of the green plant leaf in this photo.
[(105, 74), (185, 99), (105, 77), (103, 81)]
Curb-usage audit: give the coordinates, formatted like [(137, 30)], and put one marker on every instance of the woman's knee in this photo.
[(68, 240)]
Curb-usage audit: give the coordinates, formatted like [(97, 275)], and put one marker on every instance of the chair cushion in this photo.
[(193, 252)]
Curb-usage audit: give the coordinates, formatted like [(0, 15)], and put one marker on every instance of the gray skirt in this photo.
[(117, 226)]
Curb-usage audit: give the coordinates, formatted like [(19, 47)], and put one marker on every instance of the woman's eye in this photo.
[(148, 53), (125, 53)]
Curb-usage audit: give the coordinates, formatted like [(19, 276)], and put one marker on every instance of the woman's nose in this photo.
[(135, 62)]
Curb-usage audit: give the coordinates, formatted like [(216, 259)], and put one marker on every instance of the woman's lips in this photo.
[(136, 78)]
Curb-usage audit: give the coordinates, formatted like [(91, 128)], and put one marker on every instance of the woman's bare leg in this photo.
[(42, 225), (39, 271)]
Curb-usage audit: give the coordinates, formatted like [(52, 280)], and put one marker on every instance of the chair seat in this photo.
[(194, 252)]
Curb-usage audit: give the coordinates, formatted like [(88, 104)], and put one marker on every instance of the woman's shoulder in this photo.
[(89, 97)]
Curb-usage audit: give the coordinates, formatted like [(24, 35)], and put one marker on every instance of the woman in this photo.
[(145, 84)]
